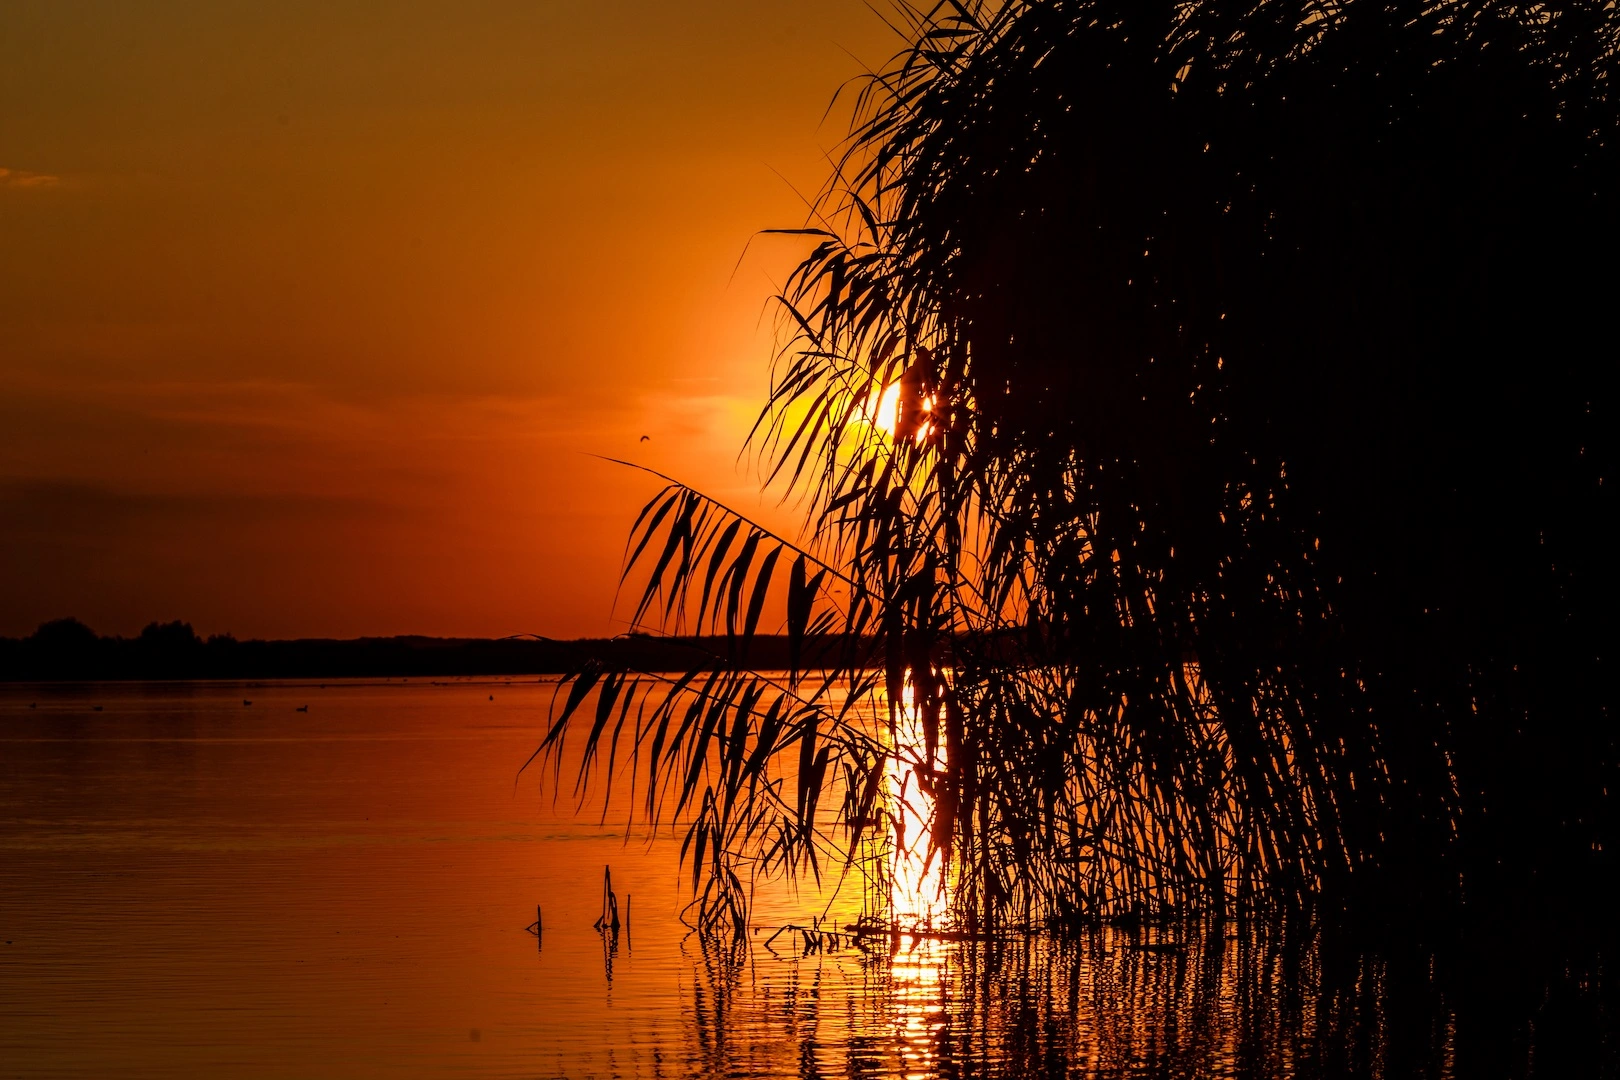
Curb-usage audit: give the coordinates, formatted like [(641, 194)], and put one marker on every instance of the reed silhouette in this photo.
[(1204, 418)]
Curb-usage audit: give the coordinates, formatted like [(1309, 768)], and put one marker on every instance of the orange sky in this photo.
[(310, 313)]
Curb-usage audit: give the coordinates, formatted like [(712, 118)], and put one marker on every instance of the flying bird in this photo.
[(644, 438)]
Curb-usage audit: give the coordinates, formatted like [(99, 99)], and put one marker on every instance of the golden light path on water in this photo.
[(918, 896)]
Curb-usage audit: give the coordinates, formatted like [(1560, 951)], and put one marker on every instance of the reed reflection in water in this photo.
[(1168, 1002)]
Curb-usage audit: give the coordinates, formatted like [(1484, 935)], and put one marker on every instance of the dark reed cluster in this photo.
[(1205, 420)]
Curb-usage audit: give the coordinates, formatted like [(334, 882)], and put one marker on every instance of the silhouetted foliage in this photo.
[(59, 649), (1243, 531)]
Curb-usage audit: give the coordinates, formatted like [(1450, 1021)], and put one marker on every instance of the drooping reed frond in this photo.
[(1202, 413)]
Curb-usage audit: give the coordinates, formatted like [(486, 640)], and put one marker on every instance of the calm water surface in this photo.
[(191, 885)]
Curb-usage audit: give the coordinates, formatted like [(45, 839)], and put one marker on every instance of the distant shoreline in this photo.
[(69, 651)]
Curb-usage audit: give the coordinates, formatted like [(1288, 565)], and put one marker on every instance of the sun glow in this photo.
[(886, 411)]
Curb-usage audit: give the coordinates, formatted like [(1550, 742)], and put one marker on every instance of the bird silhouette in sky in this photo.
[(644, 438)]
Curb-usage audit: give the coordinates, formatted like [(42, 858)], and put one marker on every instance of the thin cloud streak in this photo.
[(21, 178)]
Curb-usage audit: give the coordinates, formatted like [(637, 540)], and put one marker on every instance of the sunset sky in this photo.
[(311, 314)]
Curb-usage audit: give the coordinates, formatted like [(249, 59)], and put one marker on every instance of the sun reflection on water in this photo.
[(917, 988), (918, 891)]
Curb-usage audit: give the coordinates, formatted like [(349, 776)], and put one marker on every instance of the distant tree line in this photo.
[(67, 649)]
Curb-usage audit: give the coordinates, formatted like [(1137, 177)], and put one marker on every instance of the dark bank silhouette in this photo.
[(67, 649)]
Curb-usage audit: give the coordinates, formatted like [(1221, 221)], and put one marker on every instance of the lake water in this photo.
[(192, 885)]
